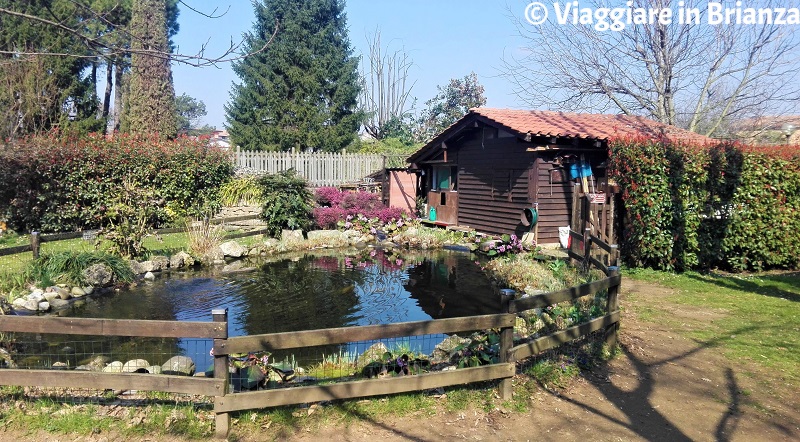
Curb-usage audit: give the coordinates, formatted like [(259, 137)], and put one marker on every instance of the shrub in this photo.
[(203, 237), (241, 191), (337, 206), (68, 267), (287, 202), (58, 182), (725, 206)]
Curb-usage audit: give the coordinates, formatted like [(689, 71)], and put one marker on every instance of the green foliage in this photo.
[(67, 183), (132, 211), (287, 202), (150, 105), (301, 91), (449, 105), (68, 267), (244, 190), (482, 349), (189, 112), (723, 206)]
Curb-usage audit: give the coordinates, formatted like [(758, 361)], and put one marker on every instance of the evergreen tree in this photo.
[(150, 104), (301, 92), (39, 91)]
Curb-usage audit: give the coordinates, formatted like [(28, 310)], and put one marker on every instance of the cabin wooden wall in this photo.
[(492, 182), (552, 189)]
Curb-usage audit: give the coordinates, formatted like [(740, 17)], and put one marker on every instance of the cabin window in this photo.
[(444, 178)]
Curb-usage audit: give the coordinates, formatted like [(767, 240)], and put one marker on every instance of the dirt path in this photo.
[(664, 387)]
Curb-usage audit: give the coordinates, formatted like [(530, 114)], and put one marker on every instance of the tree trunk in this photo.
[(118, 94)]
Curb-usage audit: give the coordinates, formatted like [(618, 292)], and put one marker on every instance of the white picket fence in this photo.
[(319, 169)]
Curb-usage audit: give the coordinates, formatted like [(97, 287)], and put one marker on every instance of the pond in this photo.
[(302, 292)]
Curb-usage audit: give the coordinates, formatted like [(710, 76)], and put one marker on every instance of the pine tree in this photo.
[(150, 104), (301, 92)]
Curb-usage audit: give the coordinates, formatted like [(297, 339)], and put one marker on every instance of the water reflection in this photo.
[(307, 292)]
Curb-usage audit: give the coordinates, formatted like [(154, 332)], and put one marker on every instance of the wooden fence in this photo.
[(226, 401), (319, 168)]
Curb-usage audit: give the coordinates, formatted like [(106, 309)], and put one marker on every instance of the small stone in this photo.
[(77, 292), (58, 304), (154, 369), (149, 276), (63, 293), (179, 365), (44, 306), (60, 365), (88, 289), (36, 296), (50, 296)]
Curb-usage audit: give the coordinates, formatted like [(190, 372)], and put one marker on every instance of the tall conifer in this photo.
[(301, 92)]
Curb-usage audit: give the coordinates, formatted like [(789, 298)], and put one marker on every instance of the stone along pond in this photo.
[(300, 292)]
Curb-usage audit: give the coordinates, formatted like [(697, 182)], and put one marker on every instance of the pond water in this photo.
[(305, 292)]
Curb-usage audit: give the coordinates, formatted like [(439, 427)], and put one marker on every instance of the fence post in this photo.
[(612, 305), (587, 248), (222, 422), (35, 244), (507, 341)]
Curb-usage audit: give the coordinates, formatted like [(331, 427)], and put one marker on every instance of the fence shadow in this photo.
[(746, 286)]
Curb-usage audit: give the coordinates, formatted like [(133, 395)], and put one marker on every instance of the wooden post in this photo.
[(575, 208), (507, 341), (587, 248), (35, 244), (223, 420), (612, 305)]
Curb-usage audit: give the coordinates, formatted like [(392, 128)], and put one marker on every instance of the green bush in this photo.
[(287, 202), (68, 267), (56, 182), (729, 206)]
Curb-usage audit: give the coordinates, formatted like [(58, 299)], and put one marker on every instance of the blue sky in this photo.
[(445, 39)]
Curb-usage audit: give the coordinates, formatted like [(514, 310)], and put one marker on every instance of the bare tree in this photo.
[(385, 88), (695, 75)]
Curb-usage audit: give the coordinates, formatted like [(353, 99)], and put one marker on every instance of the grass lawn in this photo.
[(758, 315)]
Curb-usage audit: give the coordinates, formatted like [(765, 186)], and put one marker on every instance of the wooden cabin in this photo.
[(485, 170)]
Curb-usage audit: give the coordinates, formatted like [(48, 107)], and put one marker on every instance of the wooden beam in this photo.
[(342, 335), (112, 327), (553, 340), (568, 294), (113, 381), (365, 388)]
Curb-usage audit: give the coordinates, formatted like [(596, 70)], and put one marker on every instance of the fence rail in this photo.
[(319, 168), (226, 402)]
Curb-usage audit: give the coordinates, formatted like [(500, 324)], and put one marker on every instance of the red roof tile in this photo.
[(595, 126)]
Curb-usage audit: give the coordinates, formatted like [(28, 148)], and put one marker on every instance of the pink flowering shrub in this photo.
[(360, 210)]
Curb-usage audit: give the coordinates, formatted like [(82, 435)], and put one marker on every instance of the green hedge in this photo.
[(729, 206), (56, 183)]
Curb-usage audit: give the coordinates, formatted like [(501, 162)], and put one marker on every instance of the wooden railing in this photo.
[(226, 402)]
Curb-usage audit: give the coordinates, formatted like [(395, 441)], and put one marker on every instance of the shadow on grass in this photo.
[(746, 285)]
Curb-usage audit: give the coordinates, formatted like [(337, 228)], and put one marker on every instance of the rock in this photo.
[(58, 304), (232, 249), (291, 235), (149, 276), (114, 367), (44, 306), (373, 353), (135, 366), (160, 263), (136, 267), (444, 349), (36, 295), (96, 364), (60, 365), (148, 266), (25, 304), (98, 275), (62, 292), (325, 235), (77, 292), (50, 296), (88, 289), (180, 260), (154, 369), (179, 365), (5, 359)]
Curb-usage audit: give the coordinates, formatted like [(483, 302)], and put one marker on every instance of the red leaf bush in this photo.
[(336, 205)]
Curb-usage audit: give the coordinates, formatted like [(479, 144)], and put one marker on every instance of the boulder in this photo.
[(374, 353), (25, 304), (114, 367), (50, 296), (88, 289), (98, 275), (149, 276), (77, 292), (291, 235), (160, 263), (62, 292), (325, 235), (180, 260), (232, 249), (444, 349), (179, 365), (44, 306), (95, 364), (148, 266), (58, 304), (136, 267), (135, 366), (36, 295), (154, 369)]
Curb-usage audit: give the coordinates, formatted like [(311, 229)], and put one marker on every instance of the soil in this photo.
[(663, 387)]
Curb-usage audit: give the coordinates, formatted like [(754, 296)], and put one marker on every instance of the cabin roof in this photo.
[(534, 123)]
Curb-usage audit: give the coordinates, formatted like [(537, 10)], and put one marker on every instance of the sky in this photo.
[(444, 38)]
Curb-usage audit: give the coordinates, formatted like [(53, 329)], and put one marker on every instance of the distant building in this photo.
[(221, 139)]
